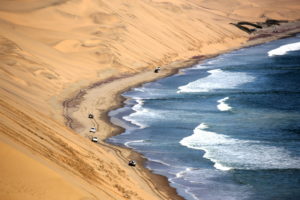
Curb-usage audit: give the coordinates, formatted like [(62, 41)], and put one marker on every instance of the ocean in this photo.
[(225, 129)]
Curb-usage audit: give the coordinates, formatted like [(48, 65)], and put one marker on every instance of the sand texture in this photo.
[(63, 59)]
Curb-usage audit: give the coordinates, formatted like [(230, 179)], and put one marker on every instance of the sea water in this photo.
[(228, 128)]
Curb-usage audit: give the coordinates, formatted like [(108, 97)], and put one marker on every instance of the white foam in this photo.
[(222, 106), (138, 108), (204, 183), (159, 161), (230, 153), (221, 167), (203, 126), (182, 173), (143, 117), (139, 89), (203, 137), (218, 79), (200, 66), (133, 142), (191, 194), (284, 49), (135, 122)]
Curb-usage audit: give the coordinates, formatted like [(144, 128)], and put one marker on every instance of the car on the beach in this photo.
[(132, 163), (94, 139), (91, 116), (157, 69), (93, 130)]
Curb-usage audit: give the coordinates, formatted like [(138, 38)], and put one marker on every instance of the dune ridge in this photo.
[(83, 53)]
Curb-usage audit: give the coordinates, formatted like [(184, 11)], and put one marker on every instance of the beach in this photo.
[(55, 74)]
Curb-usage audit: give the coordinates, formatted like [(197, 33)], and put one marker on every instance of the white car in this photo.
[(94, 139), (93, 130)]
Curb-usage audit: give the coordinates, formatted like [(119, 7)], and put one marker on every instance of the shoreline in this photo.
[(76, 107), (158, 183)]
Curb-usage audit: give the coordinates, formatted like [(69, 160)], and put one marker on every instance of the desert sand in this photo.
[(63, 59)]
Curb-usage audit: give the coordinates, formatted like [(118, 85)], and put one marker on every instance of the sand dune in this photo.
[(51, 49)]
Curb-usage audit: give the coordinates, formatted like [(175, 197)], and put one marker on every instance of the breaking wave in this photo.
[(218, 79), (284, 49), (222, 106), (136, 142), (229, 153), (138, 108), (159, 162)]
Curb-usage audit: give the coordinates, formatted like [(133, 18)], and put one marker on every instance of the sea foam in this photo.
[(229, 153), (143, 117), (222, 106), (284, 49), (218, 79), (183, 172), (159, 162), (137, 142), (138, 108)]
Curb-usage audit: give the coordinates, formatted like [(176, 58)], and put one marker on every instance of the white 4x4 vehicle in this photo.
[(94, 139), (93, 130)]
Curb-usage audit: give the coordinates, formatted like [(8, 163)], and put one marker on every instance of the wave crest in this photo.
[(222, 106), (138, 108), (218, 79), (229, 153), (284, 49)]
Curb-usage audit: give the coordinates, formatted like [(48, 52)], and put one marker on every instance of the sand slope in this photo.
[(51, 49), (43, 181)]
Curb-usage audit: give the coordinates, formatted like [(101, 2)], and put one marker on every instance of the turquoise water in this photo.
[(228, 128)]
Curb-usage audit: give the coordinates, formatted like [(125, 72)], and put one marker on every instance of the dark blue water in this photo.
[(228, 128)]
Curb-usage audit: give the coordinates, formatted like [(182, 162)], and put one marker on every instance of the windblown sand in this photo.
[(53, 50)]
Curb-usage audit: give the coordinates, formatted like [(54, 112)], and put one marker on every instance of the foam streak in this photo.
[(230, 153), (284, 49), (218, 79), (222, 106)]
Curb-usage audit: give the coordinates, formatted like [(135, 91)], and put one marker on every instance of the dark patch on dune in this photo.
[(257, 25)]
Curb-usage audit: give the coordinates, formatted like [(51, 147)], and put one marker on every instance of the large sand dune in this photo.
[(51, 49)]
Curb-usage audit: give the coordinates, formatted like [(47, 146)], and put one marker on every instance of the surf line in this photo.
[(284, 49), (203, 140)]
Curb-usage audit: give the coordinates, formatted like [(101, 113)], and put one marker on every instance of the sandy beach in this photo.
[(62, 60)]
